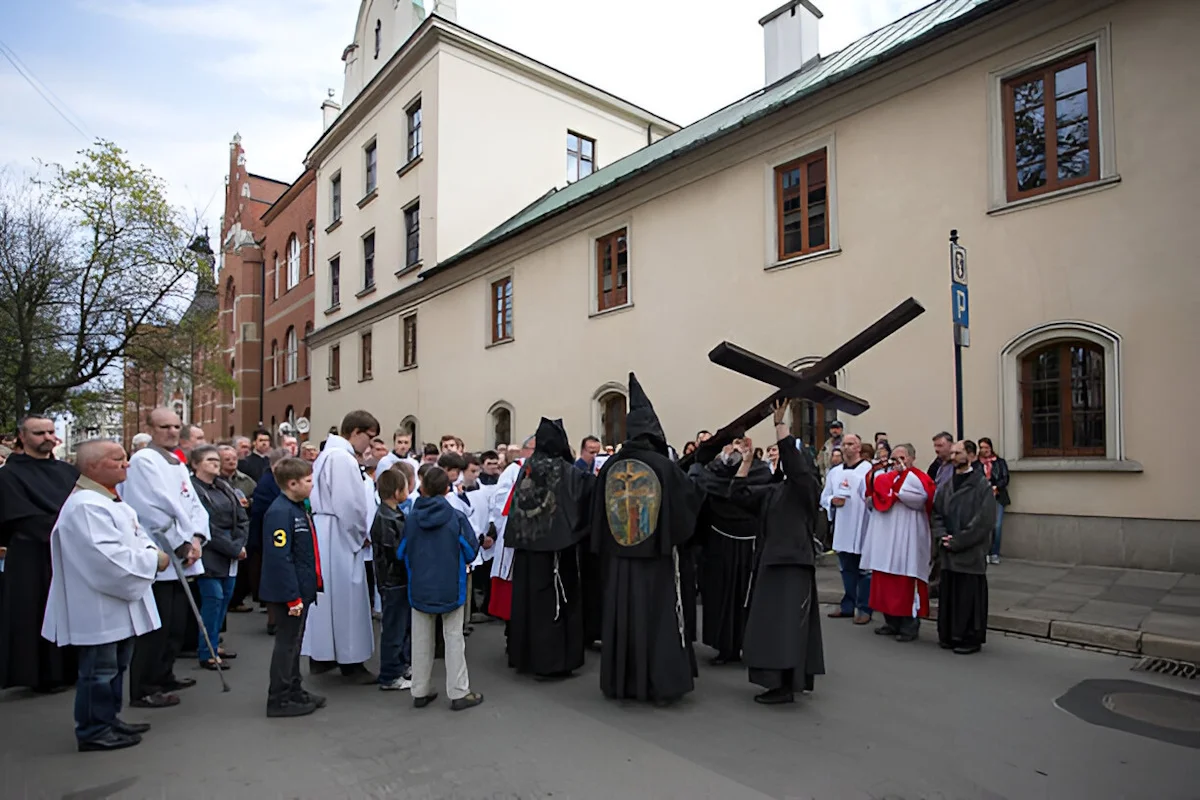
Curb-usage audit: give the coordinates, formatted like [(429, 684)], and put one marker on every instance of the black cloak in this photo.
[(550, 502)]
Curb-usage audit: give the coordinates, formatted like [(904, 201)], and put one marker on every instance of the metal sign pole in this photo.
[(960, 314)]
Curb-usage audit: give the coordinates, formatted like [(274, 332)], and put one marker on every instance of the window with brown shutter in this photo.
[(334, 380), (612, 270), (502, 310), (409, 343), (1062, 400), (366, 357), (801, 206)]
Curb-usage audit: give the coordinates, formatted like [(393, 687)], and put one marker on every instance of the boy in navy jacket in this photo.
[(438, 545), (391, 576), (291, 578)]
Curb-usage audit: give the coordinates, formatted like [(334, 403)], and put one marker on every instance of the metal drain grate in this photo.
[(1168, 666)]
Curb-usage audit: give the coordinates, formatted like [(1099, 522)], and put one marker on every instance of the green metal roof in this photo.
[(923, 25)]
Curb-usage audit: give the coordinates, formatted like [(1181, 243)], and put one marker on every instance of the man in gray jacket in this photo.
[(962, 522)]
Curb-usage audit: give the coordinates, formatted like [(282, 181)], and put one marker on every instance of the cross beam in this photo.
[(805, 381), (739, 359)]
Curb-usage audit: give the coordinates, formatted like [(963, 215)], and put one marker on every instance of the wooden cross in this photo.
[(807, 384)]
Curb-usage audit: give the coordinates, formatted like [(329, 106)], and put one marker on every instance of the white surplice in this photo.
[(166, 503), (831, 478), (897, 540), (502, 565), (848, 530), (339, 623), (103, 567), (391, 458)]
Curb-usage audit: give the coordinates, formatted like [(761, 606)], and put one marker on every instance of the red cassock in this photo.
[(500, 598), (898, 595)]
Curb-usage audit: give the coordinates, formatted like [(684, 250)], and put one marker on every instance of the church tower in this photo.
[(382, 28)]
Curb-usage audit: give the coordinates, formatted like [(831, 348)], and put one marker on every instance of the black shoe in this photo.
[(156, 700), (359, 675), (270, 629), (421, 702), (775, 697), (317, 700), (320, 667), (906, 637), (968, 649), (130, 728), (470, 701), (720, 660), (947, 645), (810, 682), (109, 740), (885, 630), (290, 708), (180, 683)]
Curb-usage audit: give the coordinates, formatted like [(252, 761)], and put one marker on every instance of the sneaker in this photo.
[(291, 708), (995, 559), (109, 740), (395, 685), (317, 700), (471, 700)]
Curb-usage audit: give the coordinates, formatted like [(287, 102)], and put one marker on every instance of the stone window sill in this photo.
[(1008, 207), (400, 273), (371, 195), (366, 378), (613, 310), (400, 173), (333, 226), (333, 309), (368, 290), (499, 342), (1074, 465), (804, 259), (409, 368)]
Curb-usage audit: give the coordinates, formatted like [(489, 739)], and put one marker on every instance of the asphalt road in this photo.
[(891, 721)]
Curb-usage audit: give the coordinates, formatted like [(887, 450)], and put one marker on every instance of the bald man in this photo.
[(100, 596)]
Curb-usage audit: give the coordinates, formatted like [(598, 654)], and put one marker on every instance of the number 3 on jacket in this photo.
[(280, 538)]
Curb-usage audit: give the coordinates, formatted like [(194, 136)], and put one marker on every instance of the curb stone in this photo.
[(1168, 647), (1096, 635)]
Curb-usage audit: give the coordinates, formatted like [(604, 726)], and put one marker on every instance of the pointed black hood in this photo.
[(641, 422), (552, 440)]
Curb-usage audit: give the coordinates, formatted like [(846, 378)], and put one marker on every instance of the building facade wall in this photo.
[(911, 156), (292, 308)]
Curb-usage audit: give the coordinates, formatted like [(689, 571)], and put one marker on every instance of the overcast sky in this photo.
[(171, 81)]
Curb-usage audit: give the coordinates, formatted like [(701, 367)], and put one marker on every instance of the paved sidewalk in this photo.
[(1134, 611)]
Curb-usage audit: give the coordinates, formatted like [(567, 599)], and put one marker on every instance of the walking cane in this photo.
[(199, 620)]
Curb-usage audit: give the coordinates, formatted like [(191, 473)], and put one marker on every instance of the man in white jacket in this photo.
[(159, 488), (100, 595)]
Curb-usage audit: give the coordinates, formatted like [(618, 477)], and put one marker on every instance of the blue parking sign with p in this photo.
[(960, 306)]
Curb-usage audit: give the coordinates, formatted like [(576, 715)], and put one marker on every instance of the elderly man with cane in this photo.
[(100, 595)]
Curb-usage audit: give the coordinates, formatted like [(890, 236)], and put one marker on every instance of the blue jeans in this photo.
[(395, 635), (98, 690), (995, 551), (215, 594), (856, 583)]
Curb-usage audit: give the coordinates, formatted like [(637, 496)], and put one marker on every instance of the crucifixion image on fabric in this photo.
[(632, 498)]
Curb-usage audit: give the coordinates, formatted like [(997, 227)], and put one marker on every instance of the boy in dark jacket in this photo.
[(437, 546), (391, 577), (291, 578)]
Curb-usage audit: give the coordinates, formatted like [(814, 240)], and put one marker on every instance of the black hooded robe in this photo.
[(546, 521), (32, 491), (782, 646), (644, 509), (728, 529)]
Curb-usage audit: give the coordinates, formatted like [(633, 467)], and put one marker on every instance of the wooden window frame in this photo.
[(1046, 73), (615, 297), (498, 334), (408, 341), (292, 279), (366, 357), (416, 143), (335, 198), (310, 233), (291, 349), (370, 167), (412, 230), (579, 157), (1066, 410), (334, 379), (368, 261), (335, 281), (605, 423), (802, 164)]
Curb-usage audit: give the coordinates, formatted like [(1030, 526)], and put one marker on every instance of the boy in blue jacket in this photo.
[(291, 578), (438, 545)]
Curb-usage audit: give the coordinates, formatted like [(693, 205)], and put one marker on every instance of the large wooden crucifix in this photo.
[(806, 384)]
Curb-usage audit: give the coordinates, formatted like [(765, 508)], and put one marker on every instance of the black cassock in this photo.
[(32, 491), (546, 521), (728, 530), (644, 509), (782, 646)]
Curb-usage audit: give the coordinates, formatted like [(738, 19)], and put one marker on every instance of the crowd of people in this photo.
[(123, 564)]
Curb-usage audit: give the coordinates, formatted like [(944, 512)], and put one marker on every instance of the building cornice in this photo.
[(435, 31), (289, 196)]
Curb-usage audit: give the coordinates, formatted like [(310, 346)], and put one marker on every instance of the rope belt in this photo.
[(731, 536), (559, 589), (678, 600)]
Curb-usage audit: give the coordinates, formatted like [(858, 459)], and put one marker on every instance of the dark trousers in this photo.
[(856, 585), (285, 658), (98, 689), (153, 666), (395, 634), (191, 629)]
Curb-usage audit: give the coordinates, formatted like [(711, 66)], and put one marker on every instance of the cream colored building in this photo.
[(1083, 281)]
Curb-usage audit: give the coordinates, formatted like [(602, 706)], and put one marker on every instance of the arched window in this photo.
[(809, 420), (378, 37), (289, 416), (412, 427), (275, 277), (274, 362), (612, 417), (293, 355), (293, 262), (308, 329), (500, 424), (312, 249), (1062, 400), (1061, 396)]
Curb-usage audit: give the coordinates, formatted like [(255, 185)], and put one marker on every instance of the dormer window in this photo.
[(378, 37)]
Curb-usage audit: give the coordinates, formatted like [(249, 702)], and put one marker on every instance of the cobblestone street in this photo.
[(889, 721)]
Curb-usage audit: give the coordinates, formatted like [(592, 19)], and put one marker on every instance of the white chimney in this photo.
[(789, 38), (329, 111)]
